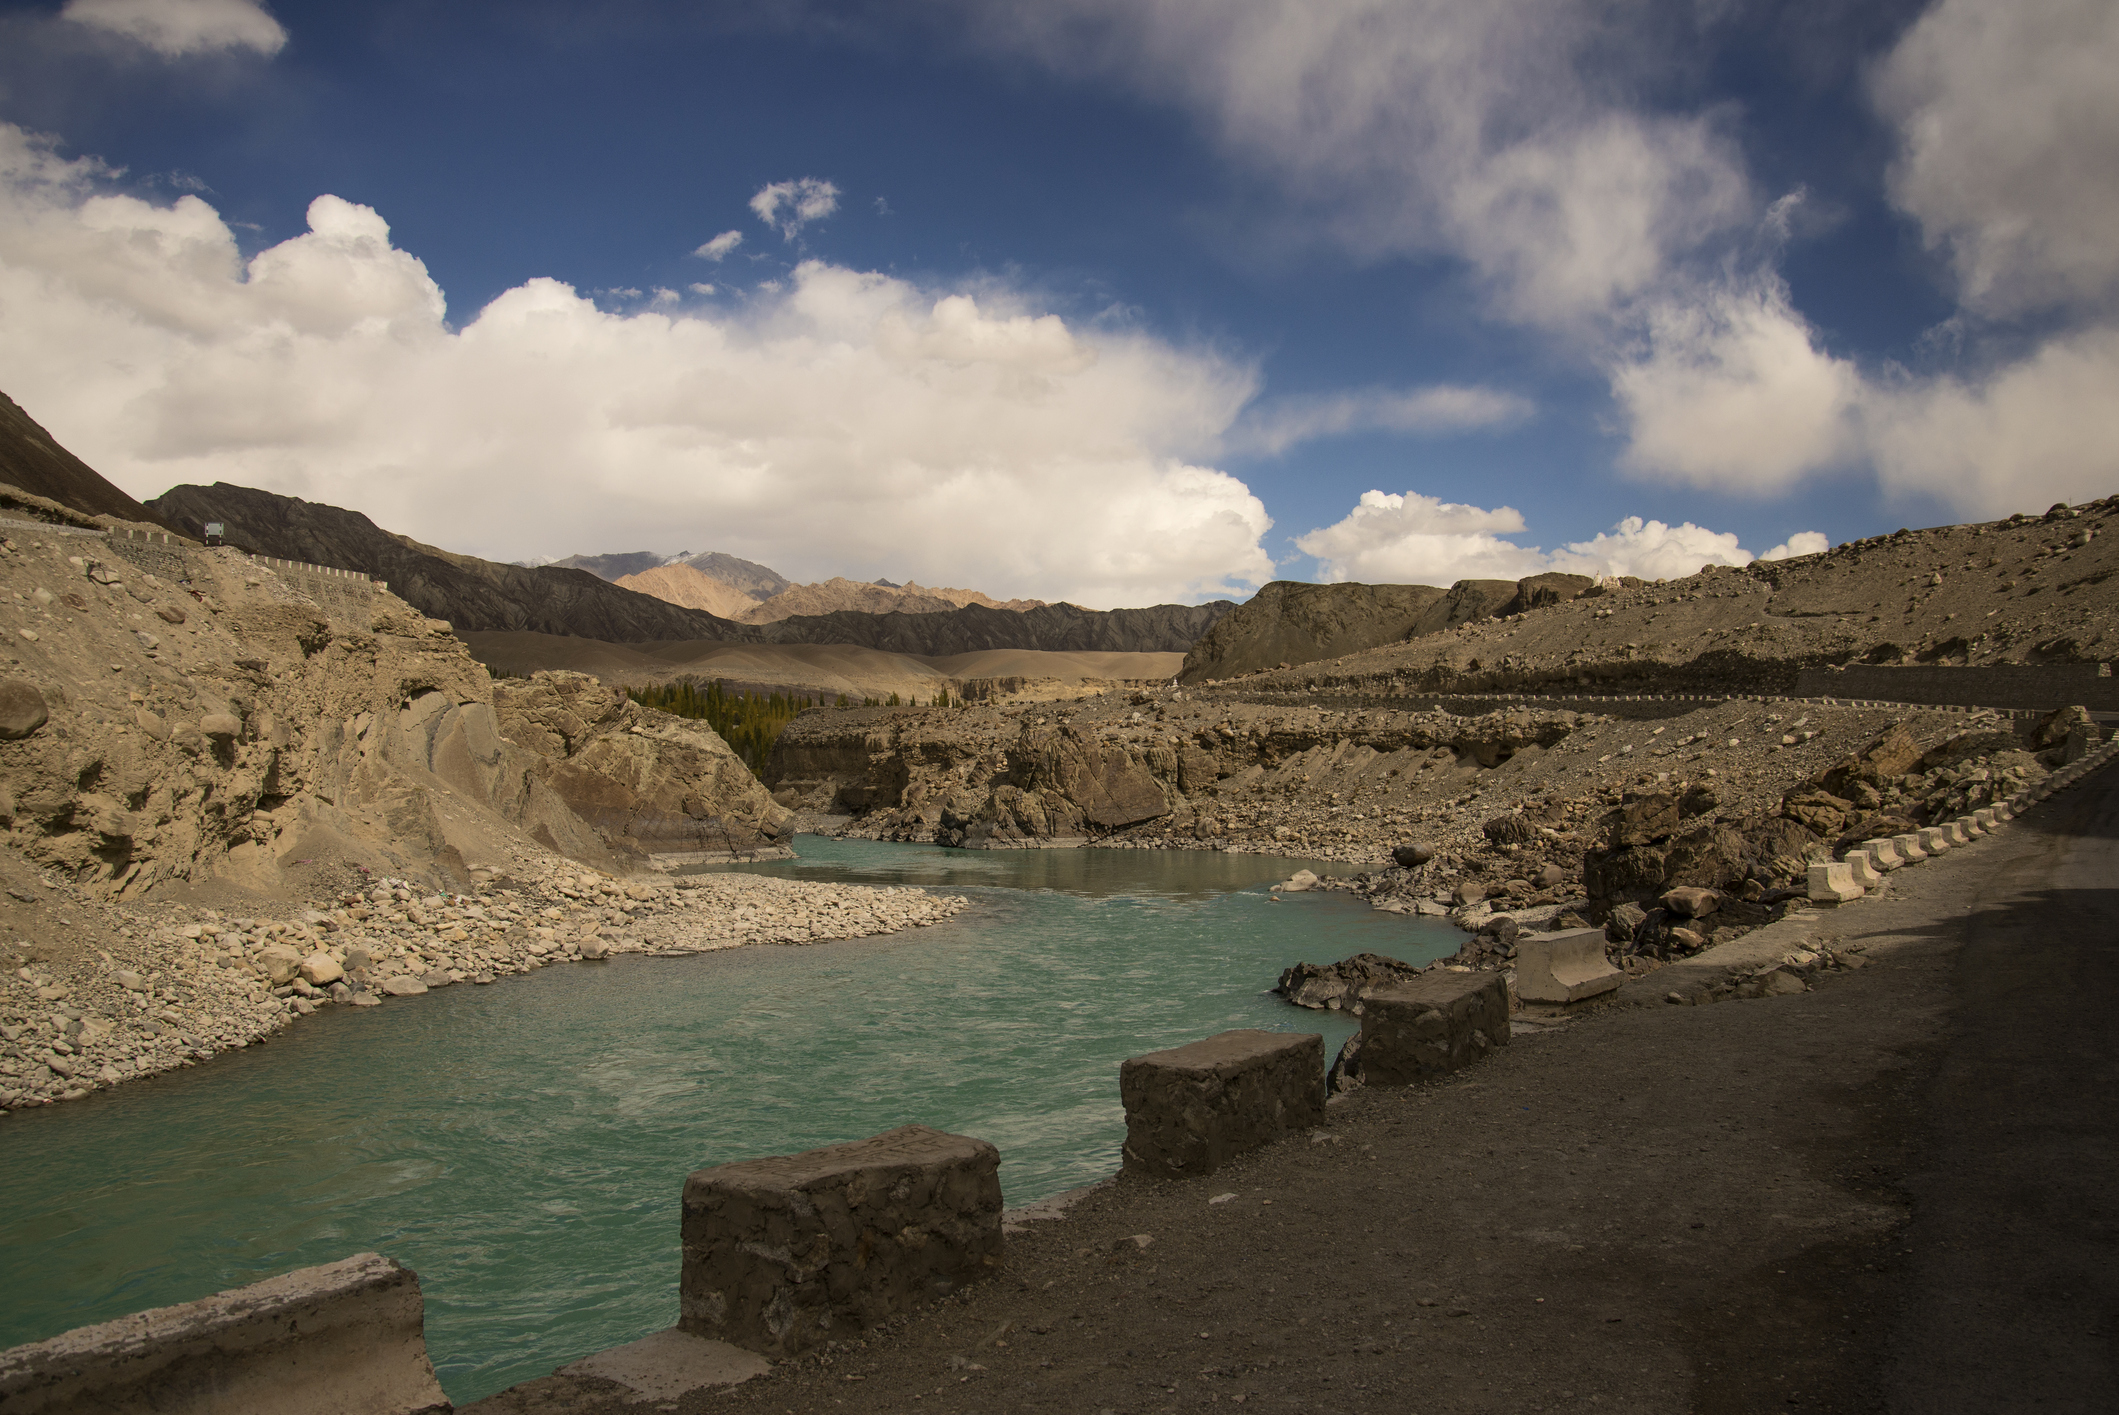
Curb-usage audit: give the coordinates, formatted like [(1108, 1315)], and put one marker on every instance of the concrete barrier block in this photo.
[(786, 1252), (1832, 883), (1954, 831), (1192, 1109), (1984, 819), (1935, 840), (1563, 967), (1861, 871), (1883, 854), (1432, 1025), (1909, 847), (346, 1338)]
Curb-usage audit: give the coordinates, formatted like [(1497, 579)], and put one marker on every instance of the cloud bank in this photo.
[(175, 28), (849, 423), (1533, 142), (1414, 539)]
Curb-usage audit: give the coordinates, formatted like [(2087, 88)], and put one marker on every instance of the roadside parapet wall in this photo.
[(345, 1338), (2017, 687)]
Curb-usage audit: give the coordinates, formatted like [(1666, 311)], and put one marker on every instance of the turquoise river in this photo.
[(522, 1146)]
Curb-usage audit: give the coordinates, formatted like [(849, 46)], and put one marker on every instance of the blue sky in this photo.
[(1099, 300)]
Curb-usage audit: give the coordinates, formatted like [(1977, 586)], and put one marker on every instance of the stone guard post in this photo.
[(1192, 1109), (783, 1253), (1435, 1024)]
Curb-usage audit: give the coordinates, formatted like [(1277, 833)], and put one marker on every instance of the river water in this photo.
[(523, 1146)]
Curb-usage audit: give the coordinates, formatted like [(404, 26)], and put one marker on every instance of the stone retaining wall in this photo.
[(2033, 687)]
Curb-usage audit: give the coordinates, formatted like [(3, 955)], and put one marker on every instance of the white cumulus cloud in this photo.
[(789, 206), (175, 28), (1801, 543), (1505, 134), (850, 423), (1278, 424), (1732, 392), (1534, 143), (2008, 116), (1421, 540), (721, 246)]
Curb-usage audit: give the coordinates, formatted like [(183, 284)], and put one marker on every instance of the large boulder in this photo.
[(1108, 785), (22, 709), (1340, 986)]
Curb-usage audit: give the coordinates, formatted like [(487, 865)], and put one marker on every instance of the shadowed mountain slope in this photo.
[(478, 596), (1160, 628), (32, 459), (470, 593)]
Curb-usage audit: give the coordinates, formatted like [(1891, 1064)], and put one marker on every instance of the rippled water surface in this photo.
[(523, 1146)]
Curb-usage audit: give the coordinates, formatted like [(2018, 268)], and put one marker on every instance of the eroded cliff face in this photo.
[(182, 716), (649, 783), (995, 778)]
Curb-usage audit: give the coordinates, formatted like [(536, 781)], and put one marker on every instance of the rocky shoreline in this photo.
[(172, 986)]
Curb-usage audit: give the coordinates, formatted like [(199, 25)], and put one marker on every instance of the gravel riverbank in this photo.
[(164, 986)]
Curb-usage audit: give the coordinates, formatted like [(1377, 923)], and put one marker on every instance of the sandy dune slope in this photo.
[(832, 668)]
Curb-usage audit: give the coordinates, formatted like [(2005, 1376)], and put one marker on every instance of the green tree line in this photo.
[(749, 722)]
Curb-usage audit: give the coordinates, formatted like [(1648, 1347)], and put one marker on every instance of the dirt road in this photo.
[(1893, 1192)]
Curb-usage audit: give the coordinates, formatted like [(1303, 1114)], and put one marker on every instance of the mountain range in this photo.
[(476, 595)]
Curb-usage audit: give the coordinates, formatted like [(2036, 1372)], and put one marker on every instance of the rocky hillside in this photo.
[(1287, 623), (210, 719), (2027, 590), (682, 585), (836, 595), (470, 593), (1213, 771), (1162, 628), (747, 577)]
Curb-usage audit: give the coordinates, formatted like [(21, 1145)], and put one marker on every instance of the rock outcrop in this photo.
[(989, 777), (650, 783), (270, 718)]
